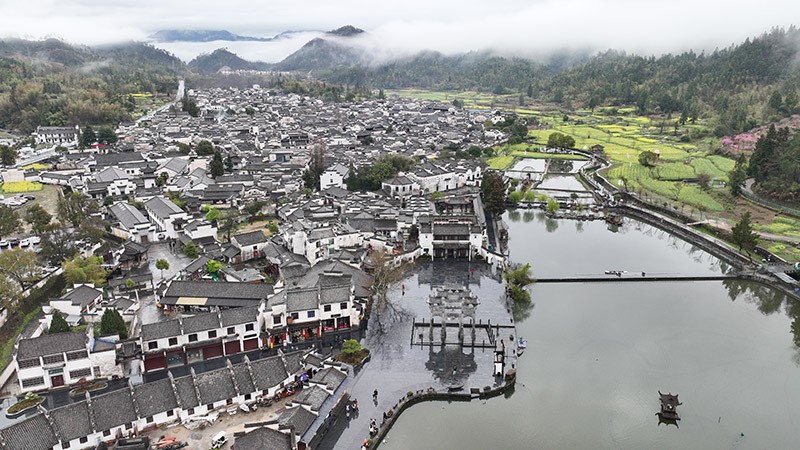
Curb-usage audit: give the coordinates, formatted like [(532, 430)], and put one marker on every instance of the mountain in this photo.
[(202, 36), (219, 58), (345, 31), (331, 51), (48, 51)]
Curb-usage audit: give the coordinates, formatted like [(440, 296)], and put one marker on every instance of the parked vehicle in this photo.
[(219, 440), (4, 243), (142, 443)]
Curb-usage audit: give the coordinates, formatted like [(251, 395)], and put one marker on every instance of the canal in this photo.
[(599, 353)]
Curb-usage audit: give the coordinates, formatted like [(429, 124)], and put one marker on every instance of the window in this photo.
[(231, 330), (53, 359), (149, 419), (72, 356), (173, 341), (152, 345), (107, 433), (190, 411), (276, 320), (23, 363), (311, 314), (249, 327), (212, 334), (343, 306), (83, 440), (80, 373), (193, 337), (65, 445), (248, 396), (97, 371), (295, 316), (128, 426), (30, 382), (326, 308)]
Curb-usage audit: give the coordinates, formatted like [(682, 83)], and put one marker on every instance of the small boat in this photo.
[(669, 406), (522, 343)]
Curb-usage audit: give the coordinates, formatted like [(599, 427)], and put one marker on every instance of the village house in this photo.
[(129, 223), (167, 216), (65, 136)]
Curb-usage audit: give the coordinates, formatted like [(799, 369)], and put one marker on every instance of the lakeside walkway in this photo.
[(635, 277)]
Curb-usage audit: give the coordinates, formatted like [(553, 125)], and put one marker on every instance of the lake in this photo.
[(599, 353)]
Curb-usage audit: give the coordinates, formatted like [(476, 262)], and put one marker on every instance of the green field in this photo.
[(18, 187)]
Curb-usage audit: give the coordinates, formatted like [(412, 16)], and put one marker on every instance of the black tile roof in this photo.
[(216, 289), (264, 439), (82, 295), (186, 392), (113, 409), (200, 322), (335, 294), (314, 397), (268, 372), (155, 397), (301, 299), (33, 433), (244, 382), (251, 238), (329, 376), (294, 362), (72, 421), (160, 330), (238, 316), (298, 418), (51, 344), (216, 385)]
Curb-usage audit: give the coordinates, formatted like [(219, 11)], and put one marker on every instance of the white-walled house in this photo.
[(334, 176), (60, 359), (167, 216), (131, 224), (80, 300)]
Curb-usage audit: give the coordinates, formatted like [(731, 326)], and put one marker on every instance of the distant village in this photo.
[(255, 290)]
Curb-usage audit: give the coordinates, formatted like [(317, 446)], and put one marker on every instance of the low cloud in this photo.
[(509, 27)]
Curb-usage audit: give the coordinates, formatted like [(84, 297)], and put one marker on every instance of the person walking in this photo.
[(375, 395)]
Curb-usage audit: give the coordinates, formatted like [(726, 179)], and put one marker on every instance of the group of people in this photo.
[(351, 406)]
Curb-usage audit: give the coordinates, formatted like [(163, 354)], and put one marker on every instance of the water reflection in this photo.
[(450, 365), (551, 225), (527, 216)]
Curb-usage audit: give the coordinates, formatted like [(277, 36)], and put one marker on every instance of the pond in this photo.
[(599, 353)]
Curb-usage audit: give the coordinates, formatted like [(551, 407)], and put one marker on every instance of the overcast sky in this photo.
[(528, 27)]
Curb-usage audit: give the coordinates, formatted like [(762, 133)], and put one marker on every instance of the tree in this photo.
[(530, 90), (190, 250), (75, 207), (703, 180), (85, 270), (190, 106), (111, 323), (162, 265), (560, 140), (184, 148), (9, 221), (10, 293), (742, 234), (105, 135), (58, 324), (493, 190), (351, 347), (217, 168), (385, 273), (204, 148), (38, 218), (552, 206), (273, 228), (775, 101), (458, 103), (58, 244), (413, 233), (648, 158), (738, 176), (20, 265), (162, 179), (88, 137), (213, 215), (130, 284), (213, 266), (436, 195), (316, 165), (8, 156), (228, 164)]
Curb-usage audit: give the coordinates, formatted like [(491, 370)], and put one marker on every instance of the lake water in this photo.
[(599, 353)]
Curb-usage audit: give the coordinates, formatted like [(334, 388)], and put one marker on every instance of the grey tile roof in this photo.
[(82, 295), (244, 381), (72, 421), (314, 397), (113, 409), (330, 376), (162, 208), (335, 294), (251, 238), (155, 397), (160, 330), (33, 433), (215, 386), (187, 395), (216, 289), (264, 439), (51, 344), (200, 322), (127, 215), (294, 362), (268, 372), (198, 264), (298, 417), (301, 299), (237, 316)]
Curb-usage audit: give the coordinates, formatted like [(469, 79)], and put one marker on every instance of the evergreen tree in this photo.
[(58, 324), (738, 176), (112, 323), (9, 221), (8, 156), (742, 234), (204, 148), (105, 135), (190, 250), (38, 218), (88, 137), (162, 265), (494, 192), (217, 168)]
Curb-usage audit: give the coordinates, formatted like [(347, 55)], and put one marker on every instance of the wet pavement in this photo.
[(148, 312), (397, 367)]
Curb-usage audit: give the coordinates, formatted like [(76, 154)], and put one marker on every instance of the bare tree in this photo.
[(386, 273)]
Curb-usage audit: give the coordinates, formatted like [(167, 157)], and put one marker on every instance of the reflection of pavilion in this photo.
[(452, 320), (449, 364), (449, 272)]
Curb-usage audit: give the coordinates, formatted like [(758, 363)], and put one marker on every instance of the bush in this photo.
[(350, 347)]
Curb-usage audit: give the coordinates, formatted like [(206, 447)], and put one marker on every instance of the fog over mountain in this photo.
[(509, 27)]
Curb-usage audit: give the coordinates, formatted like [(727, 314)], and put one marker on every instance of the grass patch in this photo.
[(36, 166), (18, 187), (542, 155), (29, 401), (500, 162)]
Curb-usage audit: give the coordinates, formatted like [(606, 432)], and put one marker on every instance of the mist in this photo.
[(534, 28)]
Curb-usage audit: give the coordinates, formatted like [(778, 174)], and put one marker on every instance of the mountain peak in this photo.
[(346, 31)]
